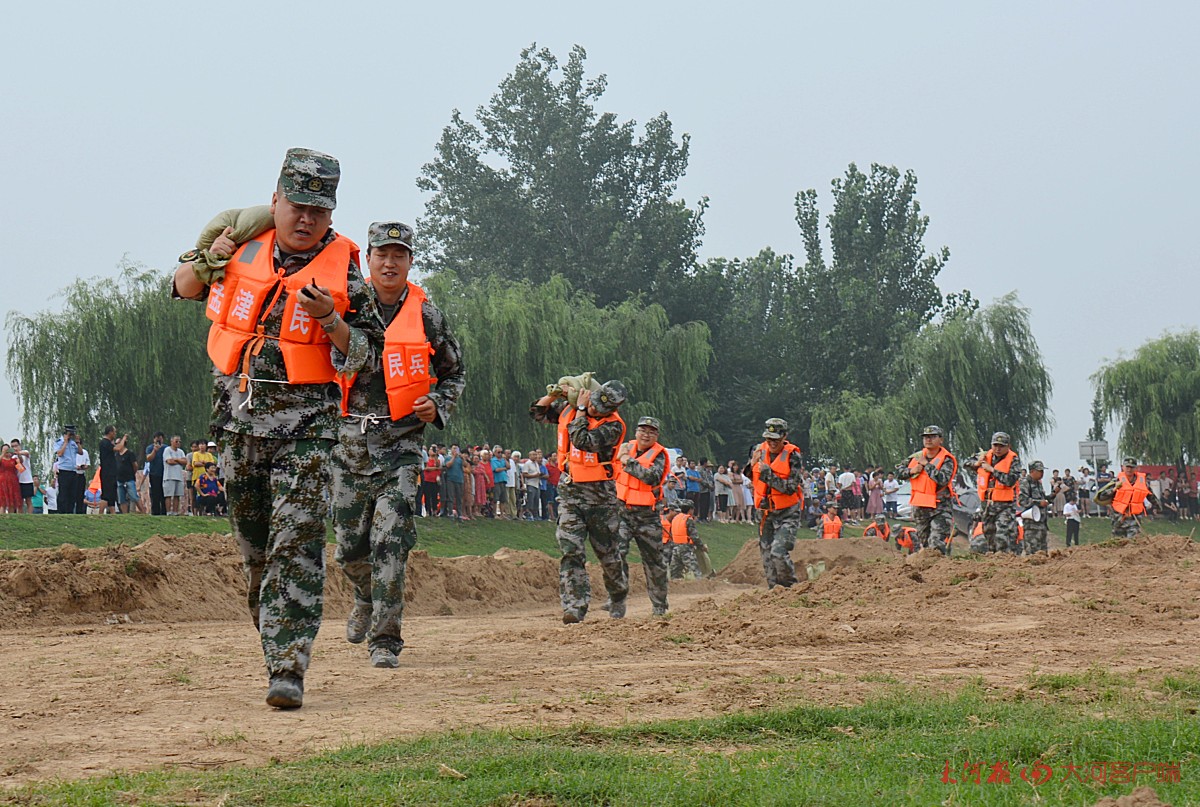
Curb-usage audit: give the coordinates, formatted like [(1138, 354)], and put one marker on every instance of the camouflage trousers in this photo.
[(1000, 529), (373, 520), (579, 524), (1125, 526), (683, 561), (933, 527), (1036, 533), (277, 507), (776, 537), (642, 524)]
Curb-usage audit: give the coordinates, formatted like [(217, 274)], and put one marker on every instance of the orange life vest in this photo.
[(1131, 494), (998, 493), (978, 530), (781, 466), (586, 466), (666, 528), (679, 533), (406, 354), (905, 538), (634, 491), (830, 527), (564, 440), (924, 489), (884, 532), (239, 304)]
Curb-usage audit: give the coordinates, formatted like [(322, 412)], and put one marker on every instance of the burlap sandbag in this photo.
[(570, 385), (247, 222)]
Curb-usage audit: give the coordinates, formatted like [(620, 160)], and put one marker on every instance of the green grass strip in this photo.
[(889, 751)]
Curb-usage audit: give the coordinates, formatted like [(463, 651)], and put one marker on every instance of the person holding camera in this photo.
[(70, 490)]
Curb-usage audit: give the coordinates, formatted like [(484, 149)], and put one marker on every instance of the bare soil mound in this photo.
[(199, 578), (747, 567), (1148, 586)]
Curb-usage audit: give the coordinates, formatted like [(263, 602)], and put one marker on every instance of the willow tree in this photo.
[(519, 337), (1155, 394), (862, 430), (977, 372), (125, 354)]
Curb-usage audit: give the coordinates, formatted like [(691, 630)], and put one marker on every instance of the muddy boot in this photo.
[(571, 617), (607, 605), (286, 691), (616, 610), (384, 658), (359, 621), (659, 612)]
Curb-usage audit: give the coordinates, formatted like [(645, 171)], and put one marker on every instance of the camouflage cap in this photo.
[(390, 232), (685, 505), (310, 178), (1037, 465), (776, 429), (1001, 439), (932, 431), (649, 422), (880, 519), (1130, 462), (610, 395)]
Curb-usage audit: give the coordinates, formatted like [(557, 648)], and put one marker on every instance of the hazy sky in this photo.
[(1056, 144)]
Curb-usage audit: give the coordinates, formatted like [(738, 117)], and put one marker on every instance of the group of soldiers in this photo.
[(322, 382), (610, 496), (325, 382)]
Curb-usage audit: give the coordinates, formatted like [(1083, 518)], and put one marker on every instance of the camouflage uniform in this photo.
[(275, 442), (1032, 493), (1125, 526), (777, 530), (683, 556), (1000, 518), (375, 475), (934, 524), (587, 512), (643, 524)]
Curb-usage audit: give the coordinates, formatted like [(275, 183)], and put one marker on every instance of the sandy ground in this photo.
[(140, 658)]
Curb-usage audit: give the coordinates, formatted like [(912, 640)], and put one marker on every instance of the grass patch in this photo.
[(440, 537), (897, 750)]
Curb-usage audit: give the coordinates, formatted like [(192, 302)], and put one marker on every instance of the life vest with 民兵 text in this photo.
[(924, 488), (633, 491), (587, 466), (992, 490), (406, 354), (239, 305), (831, 527), (781, 466), (1130, 496)]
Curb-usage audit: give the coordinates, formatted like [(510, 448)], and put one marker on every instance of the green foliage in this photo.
[(524, 336), (862, 430), (1156, 395), (543, 184), (976, 373), (124, 353), (881, 283)]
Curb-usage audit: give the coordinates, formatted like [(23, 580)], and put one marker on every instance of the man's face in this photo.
[(999, 450), (775, 444), (646, 436), (1037, 475), (932, 441), (389, 265), (299, 228), (175, 442)]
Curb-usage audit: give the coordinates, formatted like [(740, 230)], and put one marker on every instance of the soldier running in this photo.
[(642, 468), (932, 471), (1031, 495), (777, 478)]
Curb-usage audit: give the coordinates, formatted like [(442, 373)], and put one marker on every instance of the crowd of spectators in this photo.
[(482, 482)]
